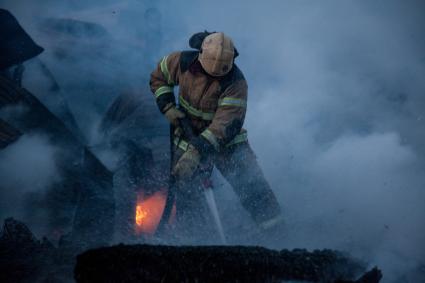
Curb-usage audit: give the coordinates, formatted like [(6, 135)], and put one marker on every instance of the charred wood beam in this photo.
[(8, 134), (147, 263), (65, 113), (78, 166), (122, 107)]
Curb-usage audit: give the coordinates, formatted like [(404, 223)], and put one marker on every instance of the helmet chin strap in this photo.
[(14, 73)]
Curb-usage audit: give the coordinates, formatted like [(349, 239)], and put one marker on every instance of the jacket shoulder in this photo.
[(187, 58), (235, 76)]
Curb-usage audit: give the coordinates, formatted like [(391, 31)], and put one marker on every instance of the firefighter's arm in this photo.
[(228, 118), (163, 79)]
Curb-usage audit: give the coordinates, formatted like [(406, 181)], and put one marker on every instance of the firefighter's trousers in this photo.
[(238, 165)]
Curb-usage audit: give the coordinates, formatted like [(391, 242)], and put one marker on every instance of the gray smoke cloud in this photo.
[(27, 170), (335, 112), (28, 164)]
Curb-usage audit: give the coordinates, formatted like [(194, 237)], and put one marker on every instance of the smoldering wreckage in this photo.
[(85, 218)]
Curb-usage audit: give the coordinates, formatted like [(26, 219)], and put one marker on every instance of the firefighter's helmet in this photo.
[(217, 54)]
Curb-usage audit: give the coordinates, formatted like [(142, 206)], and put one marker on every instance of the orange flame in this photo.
[(149, 211), (140, 215)]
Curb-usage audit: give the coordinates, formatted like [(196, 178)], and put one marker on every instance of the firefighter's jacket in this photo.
[(216, 106)]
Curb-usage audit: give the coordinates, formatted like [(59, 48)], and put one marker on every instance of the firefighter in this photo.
[(213, 97)]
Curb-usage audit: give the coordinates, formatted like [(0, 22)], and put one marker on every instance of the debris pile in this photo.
[(26, 259), (148, 263), (86, 183)]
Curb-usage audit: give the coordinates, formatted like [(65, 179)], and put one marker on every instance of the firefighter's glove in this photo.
[(178, 132), (173, 115), (187, 164)]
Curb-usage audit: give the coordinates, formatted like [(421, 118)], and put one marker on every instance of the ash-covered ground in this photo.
[(161, 263)]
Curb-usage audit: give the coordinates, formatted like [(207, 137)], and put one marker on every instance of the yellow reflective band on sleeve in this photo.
[(182, 144), (209, 136), (242, 137), (163, 89), (164, 70), (229, 101), (195, 112)]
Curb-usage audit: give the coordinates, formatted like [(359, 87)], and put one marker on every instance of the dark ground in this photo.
[(23, 258)]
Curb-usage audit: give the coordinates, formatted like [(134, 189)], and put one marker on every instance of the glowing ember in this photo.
[(140, 215), (149, 210)]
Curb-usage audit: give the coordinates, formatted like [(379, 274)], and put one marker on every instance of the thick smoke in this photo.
[(28, 164), (27, 170), (335, 112)]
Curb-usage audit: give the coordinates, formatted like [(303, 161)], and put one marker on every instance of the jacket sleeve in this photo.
[(164, 78), (229, 117)]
